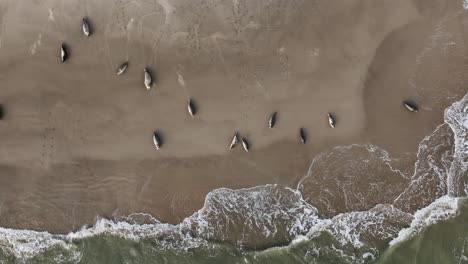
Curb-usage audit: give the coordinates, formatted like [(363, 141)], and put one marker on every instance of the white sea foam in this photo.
[(429, 178), (258, 214), (356, 237), (180, 79), (269, 211), (36, 44), (343, 179), (442, 209), (456, 116), (349, 229), (299, 239), (28, 243), (262, 212)]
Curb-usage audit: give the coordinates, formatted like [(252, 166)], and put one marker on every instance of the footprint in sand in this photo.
[(48, 142), (3, 22), (58, 117), (284, 62)]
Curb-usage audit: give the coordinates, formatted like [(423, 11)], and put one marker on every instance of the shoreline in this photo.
[(79, 137)]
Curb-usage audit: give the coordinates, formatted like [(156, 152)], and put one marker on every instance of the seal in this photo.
[(156, 140), (86, 28), (272, 120), (412, 107), (191, 107), (148, 79), (63, 52), (302, 135), (245, 144), (122, 68), (331, 120), (234, 141)]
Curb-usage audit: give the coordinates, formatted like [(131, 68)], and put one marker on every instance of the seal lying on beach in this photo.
[(412, 107), (245, 144), (272, 120), (122, 68), (191, 108), (148, 79), (156, 140), (63, 52), (331, 120), (86, 29), (234, 141), (302, 135)]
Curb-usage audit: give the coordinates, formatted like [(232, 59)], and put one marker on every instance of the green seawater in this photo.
[(443, 243)]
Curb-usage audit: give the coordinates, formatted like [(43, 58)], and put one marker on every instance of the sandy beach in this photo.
[(76, 139)]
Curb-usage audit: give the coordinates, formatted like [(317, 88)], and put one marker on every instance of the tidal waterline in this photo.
[(380, 177), (443, 242)]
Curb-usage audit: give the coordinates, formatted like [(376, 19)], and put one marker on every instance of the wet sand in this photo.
[(76, 140)]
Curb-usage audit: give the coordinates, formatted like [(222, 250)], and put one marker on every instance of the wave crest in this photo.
[(256, 217), (269, 215), (456, 116)]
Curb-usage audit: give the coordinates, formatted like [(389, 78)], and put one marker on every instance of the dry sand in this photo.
[(76, 140)]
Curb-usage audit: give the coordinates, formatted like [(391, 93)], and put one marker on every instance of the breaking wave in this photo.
[(274, 215), (443, 208), (256, 217)]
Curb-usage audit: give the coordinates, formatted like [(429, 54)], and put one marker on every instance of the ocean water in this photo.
[(277, 224)]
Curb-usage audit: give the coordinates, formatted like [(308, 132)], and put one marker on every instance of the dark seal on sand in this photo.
[(272, 120), (411, 106), (148, 81), (302, 135), (234, 141), (64, 52), (191, 107), (246, 144), (86, 27), (331, 120), (122, 68), (157, 140)]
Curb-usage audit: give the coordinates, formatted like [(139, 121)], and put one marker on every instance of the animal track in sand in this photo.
[(238, 12), (284, 63), (57, 118), (48, 142), (3, 22)]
